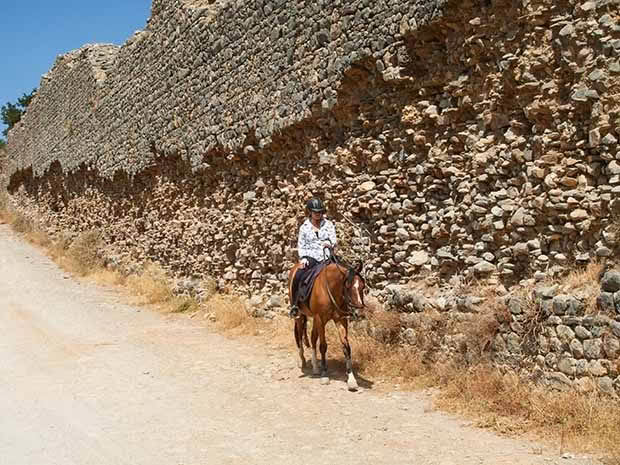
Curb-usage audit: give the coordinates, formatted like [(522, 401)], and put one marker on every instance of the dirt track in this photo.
[(86, 379)]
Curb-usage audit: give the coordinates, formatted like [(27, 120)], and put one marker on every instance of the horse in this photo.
[(337, 294)]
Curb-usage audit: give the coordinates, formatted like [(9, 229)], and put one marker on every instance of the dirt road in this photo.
[(86, 379)]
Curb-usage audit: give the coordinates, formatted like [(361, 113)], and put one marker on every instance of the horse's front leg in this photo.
[(314, 336), (300, 329), (323, 347), (343, 332)]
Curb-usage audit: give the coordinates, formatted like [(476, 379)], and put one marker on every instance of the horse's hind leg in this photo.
[(343, 332), (314, 337)]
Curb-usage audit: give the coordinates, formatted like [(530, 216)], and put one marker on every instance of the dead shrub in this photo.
[(4, 206), (480, 330), (384, 326), (479, 288), (208, 287), (229, 312), (108, 277), (430, 327), (85, 253), (183, 305), (153, 285), (20, 222), (533, 323)]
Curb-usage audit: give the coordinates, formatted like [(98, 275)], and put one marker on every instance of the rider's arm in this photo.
[(330, 229), (302, 243)]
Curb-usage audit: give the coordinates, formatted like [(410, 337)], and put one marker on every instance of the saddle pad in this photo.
[(307, 278)]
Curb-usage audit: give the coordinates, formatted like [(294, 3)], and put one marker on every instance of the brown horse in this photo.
[(336, 295)]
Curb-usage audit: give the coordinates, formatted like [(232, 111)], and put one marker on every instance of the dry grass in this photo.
[(389, 362), (82, 256), (209, 288), (586, 282), (183, 305), (39, 238), (230, 314), (108, 277), (4, 206), (86, 253), (510, 404), (580, 280), (20, 222), (153, 285)]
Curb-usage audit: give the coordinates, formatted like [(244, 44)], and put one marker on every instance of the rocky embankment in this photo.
[(561, 337)]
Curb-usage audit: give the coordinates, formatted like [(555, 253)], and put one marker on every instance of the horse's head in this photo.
[(355, 286)]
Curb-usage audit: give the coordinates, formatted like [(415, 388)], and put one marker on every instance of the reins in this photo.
[(350, 310)]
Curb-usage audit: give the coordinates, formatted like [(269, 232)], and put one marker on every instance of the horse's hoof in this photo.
[(324, 380), (352, 386), (352, 383)]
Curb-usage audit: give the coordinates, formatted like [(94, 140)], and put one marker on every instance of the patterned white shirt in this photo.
[(310, 239)]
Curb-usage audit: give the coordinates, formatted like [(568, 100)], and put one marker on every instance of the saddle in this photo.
[(304, 280)]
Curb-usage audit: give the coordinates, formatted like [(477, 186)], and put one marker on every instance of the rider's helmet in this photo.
[(315, 205)]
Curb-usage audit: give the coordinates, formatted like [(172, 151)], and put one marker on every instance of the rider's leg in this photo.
[(311, 262)]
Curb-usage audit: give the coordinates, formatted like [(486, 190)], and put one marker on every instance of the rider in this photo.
[(317, 236)]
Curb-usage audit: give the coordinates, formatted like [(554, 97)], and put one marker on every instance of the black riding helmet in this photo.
[(315, 205)]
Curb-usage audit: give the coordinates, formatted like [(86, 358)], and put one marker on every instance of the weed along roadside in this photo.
[(454, 355)]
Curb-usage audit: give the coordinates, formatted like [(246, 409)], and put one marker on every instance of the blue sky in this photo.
[(35, 32)]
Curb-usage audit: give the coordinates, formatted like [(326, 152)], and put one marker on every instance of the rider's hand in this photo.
[(326, 244)]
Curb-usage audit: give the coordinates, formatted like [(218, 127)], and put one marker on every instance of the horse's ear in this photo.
[(359, 266)]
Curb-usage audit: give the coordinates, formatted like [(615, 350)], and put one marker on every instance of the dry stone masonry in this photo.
[(469, 138)]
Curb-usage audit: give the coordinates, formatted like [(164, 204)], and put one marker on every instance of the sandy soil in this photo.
[(86, 379)]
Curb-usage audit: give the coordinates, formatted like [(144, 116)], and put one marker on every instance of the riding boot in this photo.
[(294, 313)]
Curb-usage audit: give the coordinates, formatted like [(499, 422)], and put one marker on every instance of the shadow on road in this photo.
[(337, 371)]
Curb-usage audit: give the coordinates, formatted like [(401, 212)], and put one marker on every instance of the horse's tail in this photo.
[(301, 334)]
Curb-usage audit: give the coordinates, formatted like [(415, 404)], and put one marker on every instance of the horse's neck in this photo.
[(338, 273)]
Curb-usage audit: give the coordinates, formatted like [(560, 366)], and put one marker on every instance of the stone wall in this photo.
[(563, 335), (452, 139), (220, 76), (477, 138)]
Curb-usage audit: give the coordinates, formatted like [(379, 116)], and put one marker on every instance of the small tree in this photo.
[(25, 99), (11, 113), (2, 144)]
